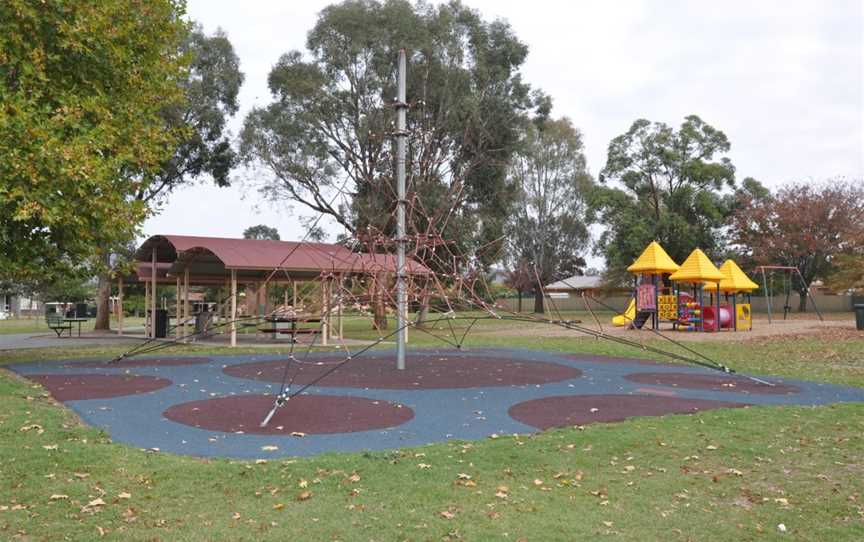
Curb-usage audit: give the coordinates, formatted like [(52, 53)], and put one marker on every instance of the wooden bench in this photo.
[(293, 330), (58, 324)]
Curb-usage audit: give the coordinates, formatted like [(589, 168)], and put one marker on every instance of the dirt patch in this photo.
[(562, 411), (762, 331), (307, 414)]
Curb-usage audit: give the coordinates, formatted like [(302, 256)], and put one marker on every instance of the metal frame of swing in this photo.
[(769, 294)]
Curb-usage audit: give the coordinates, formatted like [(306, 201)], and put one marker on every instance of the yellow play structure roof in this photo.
[(697, 268), (734, 280), (653, 260)]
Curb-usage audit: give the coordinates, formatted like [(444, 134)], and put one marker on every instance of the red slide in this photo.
[(709, 315)]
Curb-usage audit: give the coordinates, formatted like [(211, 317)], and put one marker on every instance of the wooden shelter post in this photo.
[(325, 312), (233, 308), (153, 293), (339, 307), (185, 301), (177, 301), (146, 308)]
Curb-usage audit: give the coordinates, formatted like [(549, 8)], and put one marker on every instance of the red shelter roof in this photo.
[(210, 258)]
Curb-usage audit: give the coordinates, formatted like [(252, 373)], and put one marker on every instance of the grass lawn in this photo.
[(38, 325), (721, 475)]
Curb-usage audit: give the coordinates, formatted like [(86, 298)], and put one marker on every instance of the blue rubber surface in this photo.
[(439, 414)]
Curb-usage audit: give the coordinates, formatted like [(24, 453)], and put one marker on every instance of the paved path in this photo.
[(213, 406)]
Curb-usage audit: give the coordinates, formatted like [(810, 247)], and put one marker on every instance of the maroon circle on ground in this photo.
[(717, 382), (98, 386), (310, 414), (135, 362), (567, 410), (421, 372)]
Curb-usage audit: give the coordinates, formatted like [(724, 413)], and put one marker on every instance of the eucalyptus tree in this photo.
[(326, 139), (548, 231), (673, 187), (261, 231)]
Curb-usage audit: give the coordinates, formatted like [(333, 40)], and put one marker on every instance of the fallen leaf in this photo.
[(303, 483), (124, 495), (278, 506), (354, 478), (50, 446), (297, 434), (424, 465), (304, 495), (35, 426), (538, 482), (57, 497), (608, 523), (260, 461), (235, 515), (96, 502), (446, 514), (269, 448), (80, 475)]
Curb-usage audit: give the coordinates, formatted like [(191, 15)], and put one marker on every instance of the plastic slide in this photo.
[(628, 316)]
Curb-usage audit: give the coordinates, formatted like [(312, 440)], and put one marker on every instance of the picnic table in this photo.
[(77, 320), (58, 323), (277, 327)]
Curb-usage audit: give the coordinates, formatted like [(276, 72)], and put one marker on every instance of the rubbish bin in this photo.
[(203, 323), (161, 323), (859, 317)]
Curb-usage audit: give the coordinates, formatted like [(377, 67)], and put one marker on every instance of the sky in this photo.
[(784, 80)]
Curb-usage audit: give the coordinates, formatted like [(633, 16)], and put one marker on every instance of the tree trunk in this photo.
[(423, 313), (103, 295), (802, 301), (538, 301), (379, 309), (519, 303)]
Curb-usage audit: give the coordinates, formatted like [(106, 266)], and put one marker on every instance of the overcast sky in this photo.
[(784, 80)]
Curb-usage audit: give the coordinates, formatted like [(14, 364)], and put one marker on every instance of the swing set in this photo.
[(768, 288)]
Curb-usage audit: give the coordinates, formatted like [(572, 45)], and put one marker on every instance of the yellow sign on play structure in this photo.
[(667, 307), (742, 317)]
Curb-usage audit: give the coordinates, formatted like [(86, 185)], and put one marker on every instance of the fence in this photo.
[(826, 303)]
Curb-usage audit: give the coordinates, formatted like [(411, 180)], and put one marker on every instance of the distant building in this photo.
[(575, 286), (14, 305)]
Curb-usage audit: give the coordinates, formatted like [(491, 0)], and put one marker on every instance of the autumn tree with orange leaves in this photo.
[(805, 225)]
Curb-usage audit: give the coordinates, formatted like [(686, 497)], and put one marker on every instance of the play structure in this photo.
[(695, 296)]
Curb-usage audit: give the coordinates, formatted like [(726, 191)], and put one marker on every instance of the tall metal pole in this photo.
[(401, 134)]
